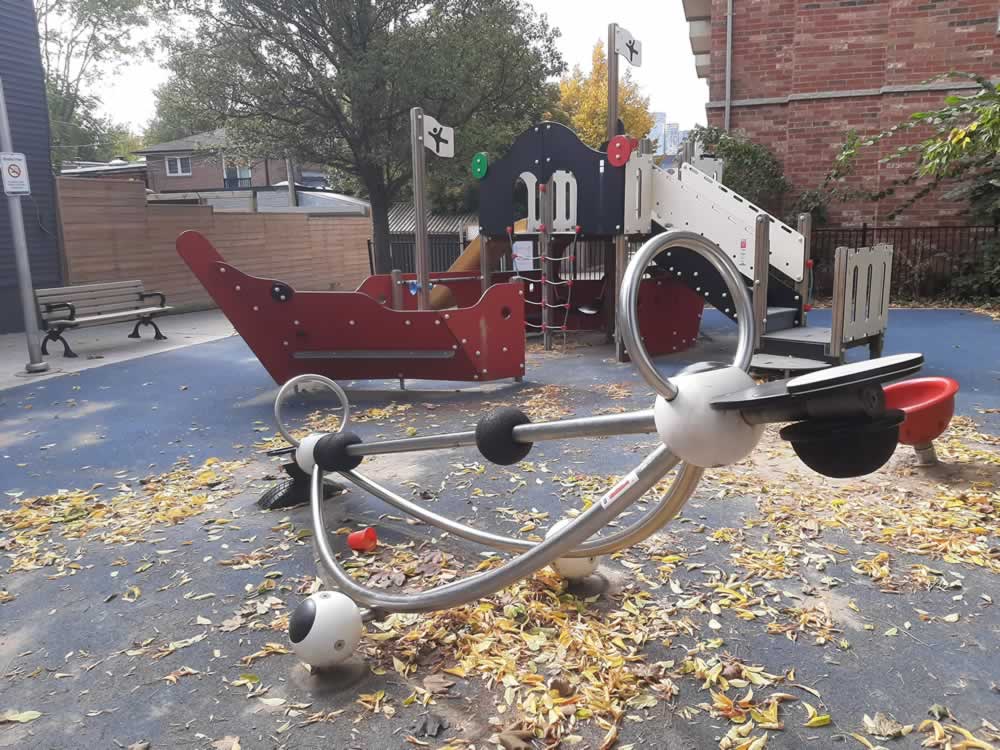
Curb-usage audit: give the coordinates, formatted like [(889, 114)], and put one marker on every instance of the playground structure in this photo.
[(709, 415), (468, 323)]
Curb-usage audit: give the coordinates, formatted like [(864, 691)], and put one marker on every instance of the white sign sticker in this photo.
[(620, 486), (628, 46), (14, 168), (439, 138)]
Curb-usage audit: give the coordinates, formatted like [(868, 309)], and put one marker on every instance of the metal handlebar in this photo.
[(628, 313), (292, 383)]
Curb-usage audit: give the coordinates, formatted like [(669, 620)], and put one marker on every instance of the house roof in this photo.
[(109, 168), (207, 141), (403, 220)]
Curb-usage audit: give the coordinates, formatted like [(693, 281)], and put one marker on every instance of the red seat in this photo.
[(929, 405)]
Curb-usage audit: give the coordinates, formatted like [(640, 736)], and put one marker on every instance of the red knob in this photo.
[(510, 230), (807, 307), (809, 263)]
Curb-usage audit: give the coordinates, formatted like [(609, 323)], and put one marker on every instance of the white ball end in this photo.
[(571, 568), (304, 452), (696, 432), (325, 629)]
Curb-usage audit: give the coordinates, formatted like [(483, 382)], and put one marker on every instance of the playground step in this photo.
[(780, 318), (785, 364), (810, 342)]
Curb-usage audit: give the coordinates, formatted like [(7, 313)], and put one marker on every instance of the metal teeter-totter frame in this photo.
[(574, 540), (708, 415)]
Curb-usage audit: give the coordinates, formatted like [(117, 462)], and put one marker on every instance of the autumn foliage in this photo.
[(583, 101)]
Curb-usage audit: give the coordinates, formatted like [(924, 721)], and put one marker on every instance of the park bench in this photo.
[(62, 308)]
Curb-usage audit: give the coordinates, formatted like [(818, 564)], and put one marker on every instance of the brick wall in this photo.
[(796, 48), (110, 234)]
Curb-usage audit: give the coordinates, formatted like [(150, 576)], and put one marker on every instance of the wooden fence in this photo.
[(110, 234)]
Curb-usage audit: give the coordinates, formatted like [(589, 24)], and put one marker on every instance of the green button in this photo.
[(480, 163)]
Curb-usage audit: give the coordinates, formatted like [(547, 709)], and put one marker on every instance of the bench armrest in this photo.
[(53, 306), (161, 295)]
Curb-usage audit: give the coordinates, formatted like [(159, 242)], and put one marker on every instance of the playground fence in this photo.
[(444, 250), (927, 261)]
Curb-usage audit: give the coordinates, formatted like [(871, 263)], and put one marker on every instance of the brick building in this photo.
[(804, 72)]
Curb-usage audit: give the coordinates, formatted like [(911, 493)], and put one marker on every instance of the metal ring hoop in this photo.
[(337, 391), (628, 314)]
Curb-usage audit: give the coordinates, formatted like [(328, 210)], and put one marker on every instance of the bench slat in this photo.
[(92, 297), (114, 299), (125, 314), (83, 288)]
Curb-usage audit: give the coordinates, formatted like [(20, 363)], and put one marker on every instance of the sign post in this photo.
[(427, 132), (620, 42), (14, 170)]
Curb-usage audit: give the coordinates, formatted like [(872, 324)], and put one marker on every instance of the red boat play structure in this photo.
[(355, 335)]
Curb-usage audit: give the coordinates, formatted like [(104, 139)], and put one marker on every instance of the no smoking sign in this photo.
[(14, 171)]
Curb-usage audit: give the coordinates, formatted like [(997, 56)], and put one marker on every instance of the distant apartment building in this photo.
[(802, 73), (666, 134)]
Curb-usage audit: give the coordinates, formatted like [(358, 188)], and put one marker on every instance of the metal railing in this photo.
[(444, 249), (927, 261), (236, 183)]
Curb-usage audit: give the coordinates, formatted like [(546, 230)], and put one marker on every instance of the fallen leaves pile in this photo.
[(952, 521), (37, 529), (556, 661)]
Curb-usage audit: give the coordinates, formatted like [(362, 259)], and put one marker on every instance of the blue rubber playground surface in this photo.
[(90, 628)]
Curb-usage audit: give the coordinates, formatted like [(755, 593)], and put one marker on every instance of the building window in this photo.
[(237, 176), (179, 166)]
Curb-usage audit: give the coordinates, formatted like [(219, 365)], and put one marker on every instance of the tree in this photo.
[(175, 116), (750, 169), (332, 81), (79, 39), (963, 151), (583, 102)]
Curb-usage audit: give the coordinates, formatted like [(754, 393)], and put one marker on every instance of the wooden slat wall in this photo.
[(110, 234)]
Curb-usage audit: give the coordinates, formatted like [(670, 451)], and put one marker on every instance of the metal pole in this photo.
[(293, 198), (396, 279), (729, 64), (485, 267), (419, 205), (621, 250), (545, 213), (35, 363), (805, 229), (612, 82), (761, 274)]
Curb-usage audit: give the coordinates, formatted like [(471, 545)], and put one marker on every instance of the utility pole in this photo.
[(612, 82), (15, 182)]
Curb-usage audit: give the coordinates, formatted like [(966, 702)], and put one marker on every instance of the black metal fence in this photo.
[(926, 261), (444, 250)]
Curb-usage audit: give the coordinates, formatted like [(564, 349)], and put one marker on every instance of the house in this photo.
[(801, 73), (24, 88), (199, 162)]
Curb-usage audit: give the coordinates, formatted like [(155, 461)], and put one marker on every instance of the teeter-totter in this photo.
[(707, 416)]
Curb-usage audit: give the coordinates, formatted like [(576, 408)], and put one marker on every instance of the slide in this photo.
[(441, 296)]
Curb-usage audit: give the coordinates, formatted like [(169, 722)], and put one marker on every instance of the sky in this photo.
[(667, 75)]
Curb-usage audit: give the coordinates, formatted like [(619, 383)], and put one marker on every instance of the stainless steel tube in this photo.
[(406, 445), (665, 509), (628, 314), (298, 379), (629, 489), (632, 423)]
